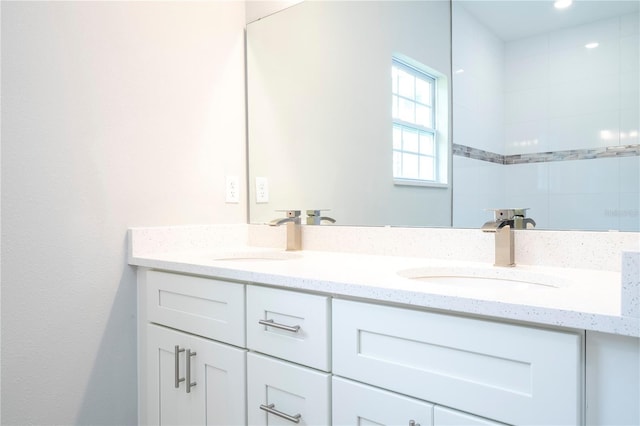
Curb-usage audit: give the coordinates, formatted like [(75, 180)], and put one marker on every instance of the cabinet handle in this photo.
[(176, 358), (413, 423), (270, 409), (190, 384), (270, 323)]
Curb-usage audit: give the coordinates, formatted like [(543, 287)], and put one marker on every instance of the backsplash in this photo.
[(576, 249), (573, 249)]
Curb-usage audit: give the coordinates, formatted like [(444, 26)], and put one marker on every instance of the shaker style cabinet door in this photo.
[(356, 404), (193, 381)]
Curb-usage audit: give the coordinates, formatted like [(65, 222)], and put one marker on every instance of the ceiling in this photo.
[(515, 19)]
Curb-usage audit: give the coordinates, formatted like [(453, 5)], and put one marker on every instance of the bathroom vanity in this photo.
[(244, 333)]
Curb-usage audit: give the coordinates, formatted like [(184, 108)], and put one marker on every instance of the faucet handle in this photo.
[(509, 214), (314, 217), (291, 213)]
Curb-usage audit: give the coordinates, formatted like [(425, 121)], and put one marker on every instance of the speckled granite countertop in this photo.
[(597, 300)]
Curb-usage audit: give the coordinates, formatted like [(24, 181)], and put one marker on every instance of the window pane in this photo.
[(423, 91), (394, 106), (397, 164), (394, 80), (427, 168), (410, 166), (407, 111), (423, 116), (406, 84), (426, 144), (397, 138), (410, 141)]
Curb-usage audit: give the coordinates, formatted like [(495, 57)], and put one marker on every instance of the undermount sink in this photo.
[(485, 277), (257, 255)]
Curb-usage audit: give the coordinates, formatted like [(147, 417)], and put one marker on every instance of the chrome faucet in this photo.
[(314, 217), (505, 220), (294, 229)]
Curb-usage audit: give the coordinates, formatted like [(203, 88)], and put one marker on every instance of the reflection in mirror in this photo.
[(329, 128), (546, 112)]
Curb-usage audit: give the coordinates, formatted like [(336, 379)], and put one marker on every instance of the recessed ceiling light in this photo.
[(591, 45), (562, 4)]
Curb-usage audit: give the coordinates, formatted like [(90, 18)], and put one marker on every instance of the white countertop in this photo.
[(585, 299)]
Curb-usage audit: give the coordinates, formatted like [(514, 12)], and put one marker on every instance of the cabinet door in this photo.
[(358, 404), (283, 390), (216, 373), (446, 417)]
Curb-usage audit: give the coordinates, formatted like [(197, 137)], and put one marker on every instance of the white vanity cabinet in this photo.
[(226, 353), (191, 370)]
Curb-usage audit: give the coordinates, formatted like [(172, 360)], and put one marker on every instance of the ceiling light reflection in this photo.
[(562, 4)]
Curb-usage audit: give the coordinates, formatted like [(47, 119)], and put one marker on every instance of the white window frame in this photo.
[(437, 155)]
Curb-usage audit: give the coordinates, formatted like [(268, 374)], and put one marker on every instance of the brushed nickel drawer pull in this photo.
[(270, 323), (270, 409), (190, 384), (176, 358)]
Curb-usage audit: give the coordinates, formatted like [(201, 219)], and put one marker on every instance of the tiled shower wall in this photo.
[(562, 138)]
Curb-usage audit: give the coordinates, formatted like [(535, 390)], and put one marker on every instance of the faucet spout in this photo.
[(505, 221), (294, 229), (504, 246)]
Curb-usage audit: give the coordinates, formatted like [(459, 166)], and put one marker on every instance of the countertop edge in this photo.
[(619, 325)]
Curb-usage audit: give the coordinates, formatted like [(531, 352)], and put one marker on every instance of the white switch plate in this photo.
[(262, 190), (232, 189)]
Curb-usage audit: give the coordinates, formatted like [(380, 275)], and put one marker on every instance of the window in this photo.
[(415, 136)]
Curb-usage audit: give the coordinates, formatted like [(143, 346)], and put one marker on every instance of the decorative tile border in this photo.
[(543, 157)]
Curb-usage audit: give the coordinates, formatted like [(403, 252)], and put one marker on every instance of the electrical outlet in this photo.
[(232, 190), (262, 190)]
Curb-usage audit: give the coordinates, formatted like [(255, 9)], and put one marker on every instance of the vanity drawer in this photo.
[(446, 417), (203, 306), (283, 388), (357, 404), (289, 325), (510, 373)]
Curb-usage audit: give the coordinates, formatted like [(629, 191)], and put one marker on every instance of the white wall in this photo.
[(561, 96), (478, 119), (114, 114), (480, 55), (259, 9)]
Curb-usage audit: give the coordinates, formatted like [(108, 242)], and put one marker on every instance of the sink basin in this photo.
[(257, 255), (485, 277)]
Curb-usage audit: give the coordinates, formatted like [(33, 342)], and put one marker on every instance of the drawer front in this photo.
[(359, 404), (509, 373), (202, 306), (289, 325), (284, 389), (446, 417)]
